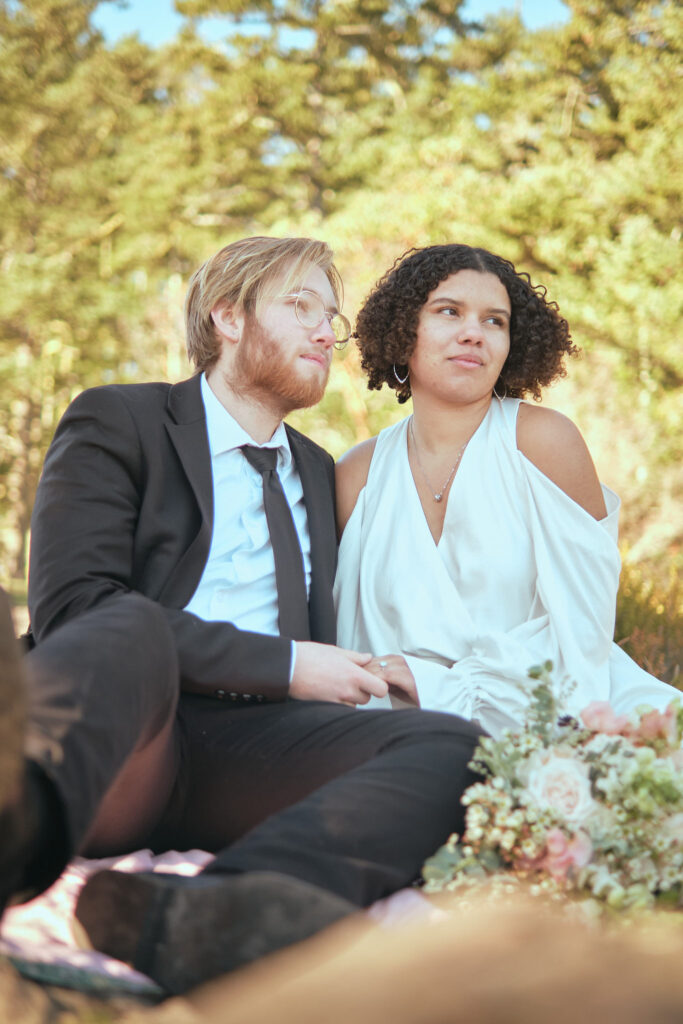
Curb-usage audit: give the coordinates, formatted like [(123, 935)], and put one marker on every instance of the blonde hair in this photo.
[(246, 274)]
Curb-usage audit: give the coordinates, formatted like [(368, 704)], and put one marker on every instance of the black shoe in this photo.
[(182, 931), (14, 829)]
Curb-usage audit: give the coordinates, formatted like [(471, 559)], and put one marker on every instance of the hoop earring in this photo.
[(501, 397), (401, 381)]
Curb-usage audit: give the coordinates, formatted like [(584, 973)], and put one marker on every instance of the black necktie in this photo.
[(289, 563)]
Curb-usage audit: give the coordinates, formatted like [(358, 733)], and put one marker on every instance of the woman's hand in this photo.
[(394, 670)]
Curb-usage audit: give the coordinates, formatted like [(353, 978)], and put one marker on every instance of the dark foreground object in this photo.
[(14, 825), (183, 931)]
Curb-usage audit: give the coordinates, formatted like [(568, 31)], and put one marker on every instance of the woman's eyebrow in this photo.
[(460, 302)]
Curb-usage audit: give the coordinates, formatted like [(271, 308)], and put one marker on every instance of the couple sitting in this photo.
[(184, 688)]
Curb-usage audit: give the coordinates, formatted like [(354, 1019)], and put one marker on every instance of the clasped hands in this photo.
[(325, 672)]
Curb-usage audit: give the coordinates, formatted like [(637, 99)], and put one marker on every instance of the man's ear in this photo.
[(228, 321)]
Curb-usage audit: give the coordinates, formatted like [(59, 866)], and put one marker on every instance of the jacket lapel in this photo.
[(187, 432), (317, 480)]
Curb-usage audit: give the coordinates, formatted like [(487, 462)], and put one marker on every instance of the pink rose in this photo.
[(559, 784), (563, 854), (655, 725), (599, 716)]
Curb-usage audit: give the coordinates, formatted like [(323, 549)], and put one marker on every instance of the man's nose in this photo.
[(324, 334)]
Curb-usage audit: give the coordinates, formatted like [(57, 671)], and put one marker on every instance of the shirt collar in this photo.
[(225, 434)]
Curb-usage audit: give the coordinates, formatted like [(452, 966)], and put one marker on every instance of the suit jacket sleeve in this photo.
[(100, 474)]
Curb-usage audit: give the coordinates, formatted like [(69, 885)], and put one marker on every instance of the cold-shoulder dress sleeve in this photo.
[(522, 574)]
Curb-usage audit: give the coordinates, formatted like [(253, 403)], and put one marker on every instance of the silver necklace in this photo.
[(436, 495)]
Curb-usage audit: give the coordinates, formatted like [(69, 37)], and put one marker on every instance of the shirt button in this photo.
[(220, 694), (246, 696), (234, 696)]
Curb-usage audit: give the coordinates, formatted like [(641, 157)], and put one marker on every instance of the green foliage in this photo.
[(378, 126)]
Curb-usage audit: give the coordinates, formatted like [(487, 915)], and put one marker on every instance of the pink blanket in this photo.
[(37, 936)]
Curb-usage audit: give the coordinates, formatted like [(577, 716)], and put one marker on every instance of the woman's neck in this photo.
[(439, 426)]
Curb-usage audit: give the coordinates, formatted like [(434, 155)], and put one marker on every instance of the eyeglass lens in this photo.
[(310, 312)]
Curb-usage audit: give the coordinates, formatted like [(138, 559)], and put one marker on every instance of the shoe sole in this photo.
[(182, 936)]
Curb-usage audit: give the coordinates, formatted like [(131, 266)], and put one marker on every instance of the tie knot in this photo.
[(262, 459)]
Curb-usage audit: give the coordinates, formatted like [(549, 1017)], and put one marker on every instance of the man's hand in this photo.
[(394, 670), (324, 672)]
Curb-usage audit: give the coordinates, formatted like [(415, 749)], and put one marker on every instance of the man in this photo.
[(184, 689)]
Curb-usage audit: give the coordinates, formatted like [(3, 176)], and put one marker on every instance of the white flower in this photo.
[(672, 828), (560, 783)]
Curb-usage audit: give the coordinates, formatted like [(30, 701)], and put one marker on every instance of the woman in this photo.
[(477, 539)]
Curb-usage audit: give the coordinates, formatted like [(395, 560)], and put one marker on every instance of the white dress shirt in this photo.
[(238, 583)]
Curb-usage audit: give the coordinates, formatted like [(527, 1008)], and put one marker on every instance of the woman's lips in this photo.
[(466, 361)]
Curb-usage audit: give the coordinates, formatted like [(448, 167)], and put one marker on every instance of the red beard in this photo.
[(265, 370)]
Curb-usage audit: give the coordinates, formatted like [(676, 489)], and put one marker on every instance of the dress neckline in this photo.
[(454, 482)]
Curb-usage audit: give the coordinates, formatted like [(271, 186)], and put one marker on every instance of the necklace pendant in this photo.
[(438, 497)]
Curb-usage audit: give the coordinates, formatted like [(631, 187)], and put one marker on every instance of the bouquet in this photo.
[(590, 808)]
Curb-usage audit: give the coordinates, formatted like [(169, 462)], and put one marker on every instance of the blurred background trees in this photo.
[(377, 125)]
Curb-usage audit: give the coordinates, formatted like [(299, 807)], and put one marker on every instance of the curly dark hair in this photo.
[(386, 328)]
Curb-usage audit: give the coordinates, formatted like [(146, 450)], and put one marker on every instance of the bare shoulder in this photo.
[(351, 474), (555, 446)]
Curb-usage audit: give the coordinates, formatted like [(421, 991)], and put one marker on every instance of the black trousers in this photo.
[(350, 800)]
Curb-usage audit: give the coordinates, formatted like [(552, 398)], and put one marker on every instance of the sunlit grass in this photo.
[(649, 622)]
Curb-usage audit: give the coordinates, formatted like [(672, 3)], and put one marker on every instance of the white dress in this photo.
[(521, 574)]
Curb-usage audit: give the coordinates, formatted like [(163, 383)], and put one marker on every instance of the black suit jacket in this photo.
[(125, 503)]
